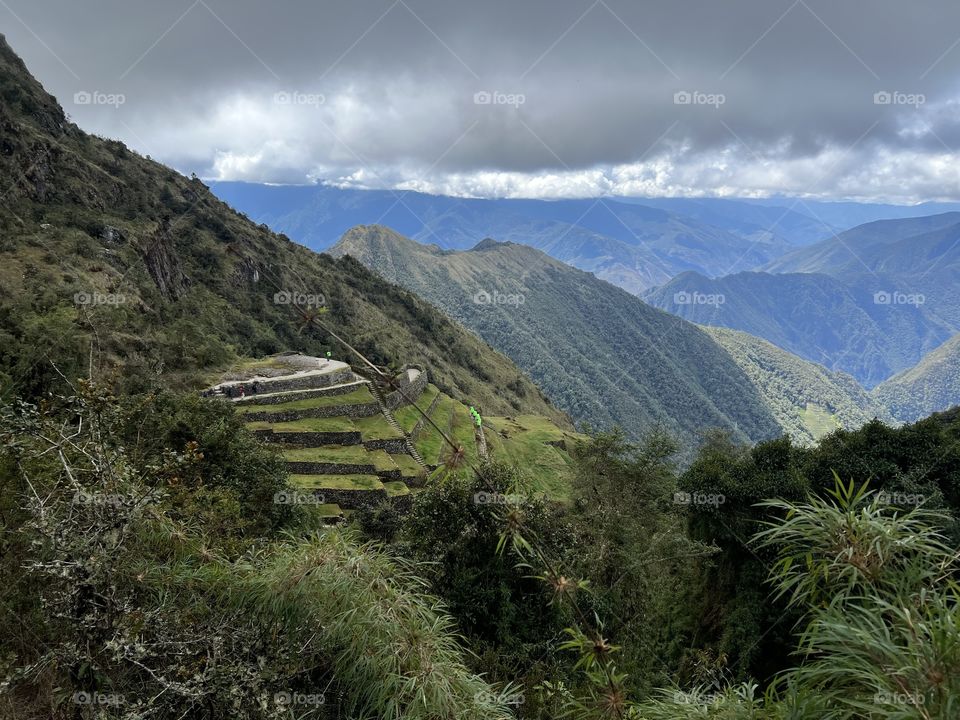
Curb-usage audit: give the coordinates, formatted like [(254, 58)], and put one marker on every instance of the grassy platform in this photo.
[(407, 416), (334, 424), (374, 427), (347, 454), (408, 466), (336, 482), (396, 488), (523, 441)]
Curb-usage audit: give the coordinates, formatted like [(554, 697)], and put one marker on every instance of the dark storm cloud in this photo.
[(821, 97)]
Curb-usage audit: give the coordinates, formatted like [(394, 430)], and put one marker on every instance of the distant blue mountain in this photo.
[(633, 244), (846, 215), (870, 301)]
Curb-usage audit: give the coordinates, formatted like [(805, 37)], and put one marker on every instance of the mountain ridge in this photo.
[(512, 269)]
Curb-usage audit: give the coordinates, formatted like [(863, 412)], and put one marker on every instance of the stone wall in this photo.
[(327, 468), (365, 499), (354, 499), (412, 389), (303, 467), (311, 439), (361, 410), (261, 399), (394, 446), (301, 382)]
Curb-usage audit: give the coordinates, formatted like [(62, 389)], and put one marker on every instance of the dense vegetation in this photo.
[(600, 353), (807, 400), (146, 566)]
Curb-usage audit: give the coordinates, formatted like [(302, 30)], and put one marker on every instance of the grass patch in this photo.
[(396, 488), (817, 421), (360, 396), (407, 416), (462, 431), (334, 424), (375, 427), (408, 466), (522, 442), (429, 442), (336, 482)]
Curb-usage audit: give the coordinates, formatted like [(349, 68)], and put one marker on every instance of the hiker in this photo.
[(242, 393)]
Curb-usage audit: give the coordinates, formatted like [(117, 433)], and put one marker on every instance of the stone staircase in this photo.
[(388, 414)]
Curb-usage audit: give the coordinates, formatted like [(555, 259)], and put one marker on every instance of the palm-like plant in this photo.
[(882, 635)]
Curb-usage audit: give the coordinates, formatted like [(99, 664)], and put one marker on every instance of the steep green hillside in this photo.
[(836, 322), (932, 385), (807, 400), (110, 262), (602, 354)]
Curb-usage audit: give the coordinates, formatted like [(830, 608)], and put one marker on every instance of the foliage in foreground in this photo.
[(116, 606), (880, 637)]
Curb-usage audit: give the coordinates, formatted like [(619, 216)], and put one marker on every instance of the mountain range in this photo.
[(871, 301), (604, 355), (635, 245), (189, 284)]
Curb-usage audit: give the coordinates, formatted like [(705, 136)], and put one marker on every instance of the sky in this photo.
[(827, 99)]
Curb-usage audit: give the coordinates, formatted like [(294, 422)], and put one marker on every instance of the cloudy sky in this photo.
[(854, 99)]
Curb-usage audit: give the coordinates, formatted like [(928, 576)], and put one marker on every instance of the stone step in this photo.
[(413, 375)]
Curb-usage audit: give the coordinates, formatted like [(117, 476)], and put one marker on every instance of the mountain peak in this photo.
[(25, 98), (489, 244)]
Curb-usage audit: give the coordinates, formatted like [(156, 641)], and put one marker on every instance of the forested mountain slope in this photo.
[(602, 354)]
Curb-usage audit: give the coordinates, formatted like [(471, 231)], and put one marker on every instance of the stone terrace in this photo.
[(341, 449)]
